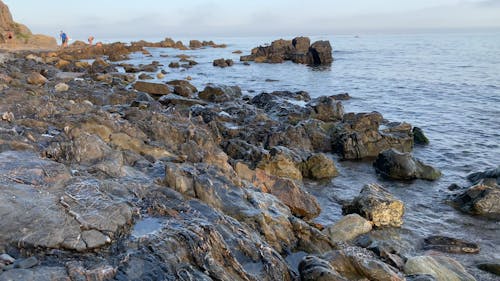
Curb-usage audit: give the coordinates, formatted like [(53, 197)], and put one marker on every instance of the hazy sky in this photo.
[(160, 18)]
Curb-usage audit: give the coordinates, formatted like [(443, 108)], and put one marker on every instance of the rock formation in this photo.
[(298, 50), (21, 35)]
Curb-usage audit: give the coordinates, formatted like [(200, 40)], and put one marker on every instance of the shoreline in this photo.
[(201, 161)]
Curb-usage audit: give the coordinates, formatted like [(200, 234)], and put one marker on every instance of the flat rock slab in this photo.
[(42, 206), (66, 76)]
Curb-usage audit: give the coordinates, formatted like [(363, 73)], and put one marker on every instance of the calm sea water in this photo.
[(447, 84)]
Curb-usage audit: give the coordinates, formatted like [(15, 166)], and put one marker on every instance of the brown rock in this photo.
[(152, 88), (36, 78)]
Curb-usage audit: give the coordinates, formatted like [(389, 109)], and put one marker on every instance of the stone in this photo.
[(481, 200), (173, 99), (320, 53), (223, 62), (440, 267), (419, 136), (493, 173), (183, 88), (195, 44), (61, 87), (360, 135), (493, 268), (326, 109), (282, 162), (219, 93), (377, 205), (319, 166), (450, 245), (36, 78), (7, 259), (348, 228), (152, 88), (402, 166), (26, 263)]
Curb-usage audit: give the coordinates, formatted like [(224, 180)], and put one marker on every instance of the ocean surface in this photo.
[(447, 84)]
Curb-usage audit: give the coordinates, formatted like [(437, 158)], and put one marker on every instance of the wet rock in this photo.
[(450, 245), (36, 78), (7, 259), (361, 135), (173, 99), (174, 65), (77, 272), (291, 193), (481, 200), (313, 268), (152, 88), (223, 62), (493, 268), (420, 277), (319, 166), (440, 267), (348, 228), (144, 76), (402, 166), (488, 174), (419, 136), (296, 50), (61, 87), (220, 93), (343, 96), (349, 263), (377, 205), (101, 66), (43, 273), (326, 109), (183, 88)]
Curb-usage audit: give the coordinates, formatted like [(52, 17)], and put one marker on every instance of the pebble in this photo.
[(26, 263), (5, 258)]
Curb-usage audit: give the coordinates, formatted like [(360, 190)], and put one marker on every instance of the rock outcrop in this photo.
[(20, 34), (298, 50)]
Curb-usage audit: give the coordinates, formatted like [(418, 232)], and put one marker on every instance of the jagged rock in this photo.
[(183, 88), (282, 163), (359, 136), (223, 62), (291, 193), (326, 109), (493, 268), (440, 267), (173, 99), (377, 205), (419, 136), (481, 200), (348, 228), (296, 50), (319, 166), (402, 166)]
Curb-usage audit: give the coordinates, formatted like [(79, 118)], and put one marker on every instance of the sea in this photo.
[(448, 84)]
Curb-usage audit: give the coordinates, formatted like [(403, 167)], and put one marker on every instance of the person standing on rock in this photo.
[(91, 40), (64, 39)]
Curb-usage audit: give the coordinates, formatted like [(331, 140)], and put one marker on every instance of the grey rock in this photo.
[(402, 166)]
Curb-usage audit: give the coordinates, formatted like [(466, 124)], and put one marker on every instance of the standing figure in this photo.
[(64, 39), (91, 40)]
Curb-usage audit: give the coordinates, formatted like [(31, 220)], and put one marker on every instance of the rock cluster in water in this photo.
[(298, 50), (88, 151)]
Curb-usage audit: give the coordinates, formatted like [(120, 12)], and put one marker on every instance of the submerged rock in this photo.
[(402, 166), (450, 245), (377, 205), (440, 267), (419, 136), (481, 200)]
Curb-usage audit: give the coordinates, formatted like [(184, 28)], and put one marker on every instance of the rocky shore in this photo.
[(108, 178)]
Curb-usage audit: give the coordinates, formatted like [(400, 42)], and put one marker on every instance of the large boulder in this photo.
[(440, 267), (377, 205), (493, 173), (402, 166), (319, 166), (320, 53), (360, 135), (326, 109)]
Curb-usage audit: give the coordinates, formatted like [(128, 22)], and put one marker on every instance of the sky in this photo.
[(162, 18)]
